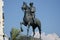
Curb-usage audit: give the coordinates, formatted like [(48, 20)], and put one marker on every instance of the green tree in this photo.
[(14, 34)]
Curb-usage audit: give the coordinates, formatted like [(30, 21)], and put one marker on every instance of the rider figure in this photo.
[(32, 11)]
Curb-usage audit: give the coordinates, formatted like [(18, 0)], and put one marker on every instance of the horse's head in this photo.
[(24, 6)]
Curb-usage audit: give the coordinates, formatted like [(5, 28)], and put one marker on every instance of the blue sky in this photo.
[(47, 11)]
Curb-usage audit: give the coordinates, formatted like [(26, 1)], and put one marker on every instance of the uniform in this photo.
[(32, 12)]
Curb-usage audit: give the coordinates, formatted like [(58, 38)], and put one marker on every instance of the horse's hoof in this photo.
[(21, 30)]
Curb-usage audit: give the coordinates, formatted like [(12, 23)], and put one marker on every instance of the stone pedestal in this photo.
[(27, 38)]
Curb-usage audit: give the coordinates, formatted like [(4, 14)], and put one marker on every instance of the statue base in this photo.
[(28, 38)]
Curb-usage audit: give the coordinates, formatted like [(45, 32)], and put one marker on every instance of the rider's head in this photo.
[(31, 4)]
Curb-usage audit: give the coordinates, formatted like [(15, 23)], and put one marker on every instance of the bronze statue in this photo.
[(28, 19), (32, 11)]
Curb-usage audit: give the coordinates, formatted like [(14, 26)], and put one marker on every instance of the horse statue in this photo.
[(27, 20)]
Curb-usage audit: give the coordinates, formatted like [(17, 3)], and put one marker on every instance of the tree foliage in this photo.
[(14, 34)]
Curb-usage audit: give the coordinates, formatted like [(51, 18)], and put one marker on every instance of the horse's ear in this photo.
[(24, 2)]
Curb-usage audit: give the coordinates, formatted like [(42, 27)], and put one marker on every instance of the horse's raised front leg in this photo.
[(21, 26)]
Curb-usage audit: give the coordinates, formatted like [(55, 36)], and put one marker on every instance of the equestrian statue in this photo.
[(29, 18)]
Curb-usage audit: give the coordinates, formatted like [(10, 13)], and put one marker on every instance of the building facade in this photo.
[(1, 20), (6, 37)]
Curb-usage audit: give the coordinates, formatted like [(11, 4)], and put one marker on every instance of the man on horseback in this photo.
[(29, 18), (32, 11)]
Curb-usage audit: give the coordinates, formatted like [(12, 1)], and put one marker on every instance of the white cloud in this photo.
[(52, 36)]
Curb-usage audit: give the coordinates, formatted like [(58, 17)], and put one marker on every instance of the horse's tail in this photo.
[(39, 27), (40, 30)]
